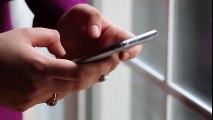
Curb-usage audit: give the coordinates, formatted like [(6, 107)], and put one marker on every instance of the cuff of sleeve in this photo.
[(49, 17)]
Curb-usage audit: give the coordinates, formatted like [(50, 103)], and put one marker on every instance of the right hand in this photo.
[(27, 77), (84, 31)]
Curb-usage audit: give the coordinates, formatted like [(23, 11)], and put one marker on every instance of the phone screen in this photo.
[(119, 47)]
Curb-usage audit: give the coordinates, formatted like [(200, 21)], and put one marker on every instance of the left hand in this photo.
[(84, 31)]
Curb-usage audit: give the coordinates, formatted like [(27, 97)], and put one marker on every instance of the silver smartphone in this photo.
[(119, 47)]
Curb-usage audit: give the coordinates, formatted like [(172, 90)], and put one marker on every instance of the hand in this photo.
[(84, 31), (27, 77)]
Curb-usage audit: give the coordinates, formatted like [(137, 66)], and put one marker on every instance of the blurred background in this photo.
[(170, 80)]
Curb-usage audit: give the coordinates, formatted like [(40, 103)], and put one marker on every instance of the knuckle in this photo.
[(95, 14), (113, 63), (55, 36), (81, 6), (78, 75), (39, 68), (27, 32), (37, 78), (133, 53)]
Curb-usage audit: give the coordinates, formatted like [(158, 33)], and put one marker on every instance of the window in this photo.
[(192, 47), (172, 78)]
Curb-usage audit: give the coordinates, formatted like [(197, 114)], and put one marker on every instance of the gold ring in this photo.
[(52, 101)]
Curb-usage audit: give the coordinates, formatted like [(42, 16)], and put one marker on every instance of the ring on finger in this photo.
[(52, 101), (103, 78)]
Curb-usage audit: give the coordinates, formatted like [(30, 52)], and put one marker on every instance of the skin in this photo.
[(26, 72), (84, 31)]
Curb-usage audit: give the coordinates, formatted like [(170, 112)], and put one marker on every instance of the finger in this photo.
[(92, 19), (68, 70), (130, 53), (61, 68), (49, 38), (84, 76), (103, 67), (73, 77)]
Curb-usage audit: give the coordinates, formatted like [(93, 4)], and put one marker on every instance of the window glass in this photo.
[(147, 99), (149, 15), (181, 112), (192, 56)]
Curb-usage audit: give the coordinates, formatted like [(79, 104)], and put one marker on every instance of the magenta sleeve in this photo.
[(47, 12)]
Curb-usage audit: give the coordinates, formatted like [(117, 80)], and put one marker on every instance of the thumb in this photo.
[(93, 20), (94, 30)]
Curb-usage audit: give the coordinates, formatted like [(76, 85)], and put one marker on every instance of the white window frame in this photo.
[(171, 88), (164, 82)]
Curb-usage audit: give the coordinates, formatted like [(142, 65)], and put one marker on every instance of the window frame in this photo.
[(162, 81)]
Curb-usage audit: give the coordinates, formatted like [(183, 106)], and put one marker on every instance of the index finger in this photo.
[(68, 70), (42, 37)]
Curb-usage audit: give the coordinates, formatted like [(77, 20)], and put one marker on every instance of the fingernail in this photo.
[(126, 56), (63, 52), (95, 31)]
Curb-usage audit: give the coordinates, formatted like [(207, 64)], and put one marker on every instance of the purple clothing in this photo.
[(5, 22), (49, 12), (9, 115), (46, 12)]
